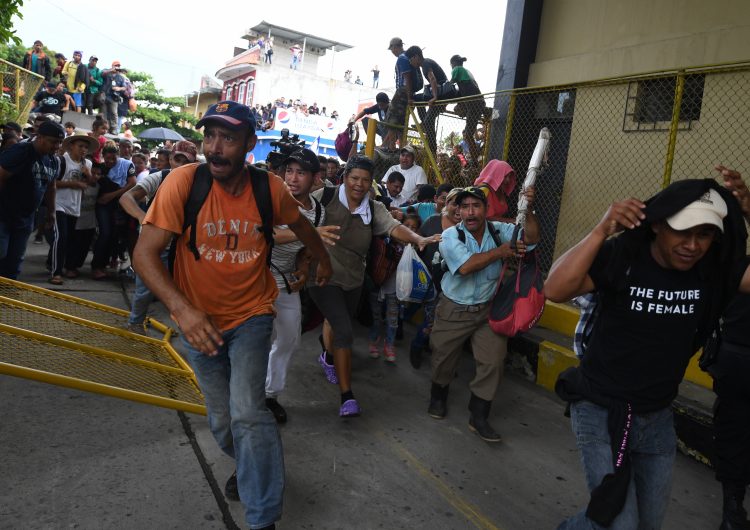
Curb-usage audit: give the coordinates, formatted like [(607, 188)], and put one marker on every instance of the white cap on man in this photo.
[(710, 209)]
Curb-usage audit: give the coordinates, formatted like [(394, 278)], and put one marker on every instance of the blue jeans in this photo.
[(652, 451), (14, 235), (234, 385), (142, 296), (390, 320)]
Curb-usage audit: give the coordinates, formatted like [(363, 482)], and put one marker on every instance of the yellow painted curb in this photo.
[(695, 375), (553, 359), (561, 318)]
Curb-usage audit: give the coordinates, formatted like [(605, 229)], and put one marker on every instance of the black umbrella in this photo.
[(160, 133)]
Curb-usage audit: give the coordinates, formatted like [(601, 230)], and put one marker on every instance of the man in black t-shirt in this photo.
[(662, 285), (48, 101), (27, 176), (435, 89), (381, 107)]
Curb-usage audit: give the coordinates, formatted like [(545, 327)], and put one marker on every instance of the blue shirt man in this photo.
[(474, 266), (477, 287), (27, 175)]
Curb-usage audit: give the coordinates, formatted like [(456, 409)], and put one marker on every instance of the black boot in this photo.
[(438, 401), (231, 491), (480, 411), (278, 411), (734, 516)]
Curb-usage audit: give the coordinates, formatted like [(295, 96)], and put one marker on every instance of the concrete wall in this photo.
[(606, 163), (582, 40), (282, 54)]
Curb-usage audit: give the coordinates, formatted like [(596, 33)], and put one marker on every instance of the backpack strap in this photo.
[(514, 237), (202, 182), (496, 236), (63, 167), (262, 194), (327, 196), (461, 235), (318, 211)]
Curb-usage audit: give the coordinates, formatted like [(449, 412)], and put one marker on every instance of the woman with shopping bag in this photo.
[(349, 206)]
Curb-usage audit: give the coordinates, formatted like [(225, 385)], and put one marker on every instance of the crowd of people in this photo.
[(265, 115), (91, 173), (73, 85), (243, 260), (421, 81)]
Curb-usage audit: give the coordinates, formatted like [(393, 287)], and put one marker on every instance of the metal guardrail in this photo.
[(19, 86), (63, 340)]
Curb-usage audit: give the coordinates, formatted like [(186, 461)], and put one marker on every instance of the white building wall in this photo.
[(276, 81)]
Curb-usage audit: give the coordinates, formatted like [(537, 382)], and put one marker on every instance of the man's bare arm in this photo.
[(130, 202), (306, 233), (569, 275), (196, 325)]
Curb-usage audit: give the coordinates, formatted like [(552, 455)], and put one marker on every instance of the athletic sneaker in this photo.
[(350, 408), (328, 369), (390, 353), (375, 349)]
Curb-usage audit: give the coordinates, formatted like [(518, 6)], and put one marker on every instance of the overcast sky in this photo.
[(177, 44)]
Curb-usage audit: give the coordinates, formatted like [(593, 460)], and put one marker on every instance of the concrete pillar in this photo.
[(520, 36)]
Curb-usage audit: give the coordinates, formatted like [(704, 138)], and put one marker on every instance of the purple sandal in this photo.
[(328, 369), (350, 408)]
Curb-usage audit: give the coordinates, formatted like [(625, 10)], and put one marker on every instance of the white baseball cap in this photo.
[(710, 209)]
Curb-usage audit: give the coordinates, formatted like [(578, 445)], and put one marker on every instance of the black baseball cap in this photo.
[(50, 128), (13, 126), (395, 41), (478, 192), (230, 114), (305, 158)]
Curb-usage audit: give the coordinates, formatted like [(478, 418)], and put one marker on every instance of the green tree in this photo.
[(10, 8), (157, 110), (14, 53)]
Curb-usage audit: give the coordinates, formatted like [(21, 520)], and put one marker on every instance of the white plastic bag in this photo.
[(413, 281)]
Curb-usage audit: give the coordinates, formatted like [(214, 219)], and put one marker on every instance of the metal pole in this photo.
[(430, 156), (302, 59), (372, 131), (197, 99), (679, 89), (509, 125), (18, 90)]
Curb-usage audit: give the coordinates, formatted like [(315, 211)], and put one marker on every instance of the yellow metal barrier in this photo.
[(59, 339), (19, 86)]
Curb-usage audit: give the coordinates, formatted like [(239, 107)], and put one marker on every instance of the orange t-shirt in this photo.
[(231, 281)]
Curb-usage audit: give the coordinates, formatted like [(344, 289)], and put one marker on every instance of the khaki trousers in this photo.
[(454, 323)]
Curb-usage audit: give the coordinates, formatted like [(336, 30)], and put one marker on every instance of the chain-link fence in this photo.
[(19, 86), (611, 139)]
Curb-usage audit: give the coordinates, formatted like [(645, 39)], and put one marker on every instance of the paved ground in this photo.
[(77, 460)]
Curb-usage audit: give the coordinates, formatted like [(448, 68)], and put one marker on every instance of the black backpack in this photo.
[(199, 190)]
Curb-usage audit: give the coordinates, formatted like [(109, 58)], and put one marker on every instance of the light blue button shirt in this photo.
[(477, 287)]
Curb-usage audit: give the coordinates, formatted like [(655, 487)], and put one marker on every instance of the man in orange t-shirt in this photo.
[(223, 301)]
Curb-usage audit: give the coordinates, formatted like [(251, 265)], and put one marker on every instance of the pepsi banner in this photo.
[(298, 123)]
